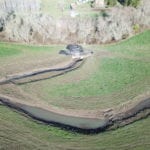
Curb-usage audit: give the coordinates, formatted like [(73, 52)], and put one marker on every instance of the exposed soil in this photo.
[(109, 119)]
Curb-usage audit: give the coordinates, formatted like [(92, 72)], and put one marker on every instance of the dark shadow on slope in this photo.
[(80, 124), (72, 66), (49, 77)]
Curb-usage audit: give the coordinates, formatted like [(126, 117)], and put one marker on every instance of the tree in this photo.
[(133, 3), (111, 2)]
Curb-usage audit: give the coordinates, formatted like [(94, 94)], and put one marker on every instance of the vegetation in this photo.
[(16, 57), (125, 72), (133, 3), (7, 51), (136, 28), (137, 46), (120, 76), (111, 2), (11, 47), (104, 81), (113, 74)]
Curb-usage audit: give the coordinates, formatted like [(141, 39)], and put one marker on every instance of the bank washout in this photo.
[(106, 120)]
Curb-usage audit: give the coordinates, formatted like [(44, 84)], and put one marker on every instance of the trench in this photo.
[(75, 64)]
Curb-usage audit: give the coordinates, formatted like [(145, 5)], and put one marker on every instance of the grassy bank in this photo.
[(128, 66), (18, 57), (137, 46), (19, 132), (105, 81), (100, 83), (115, 74), (112, 75)]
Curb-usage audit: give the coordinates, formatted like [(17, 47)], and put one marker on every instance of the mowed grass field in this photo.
[(20, 133), (115, 74), (16, 58)]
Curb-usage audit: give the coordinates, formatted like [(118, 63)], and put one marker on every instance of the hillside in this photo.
[(112, 85), (74, 75)]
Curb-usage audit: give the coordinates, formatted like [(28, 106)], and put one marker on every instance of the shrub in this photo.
[(110, 2), (136, 28), (104, 14), (133, 3)]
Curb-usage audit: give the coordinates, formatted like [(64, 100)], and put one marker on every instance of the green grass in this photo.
[(129, 68), (8, 51), (19, 132), (15, 57), (112, 75), (18, 50), (137, 46), (114, 80), (127, 73)]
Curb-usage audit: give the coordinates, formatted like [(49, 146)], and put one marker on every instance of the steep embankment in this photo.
[(19, 132), (35, 27), (108, 119)]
